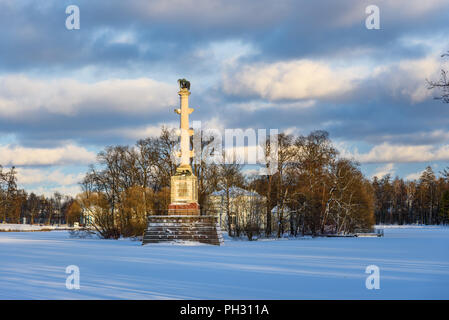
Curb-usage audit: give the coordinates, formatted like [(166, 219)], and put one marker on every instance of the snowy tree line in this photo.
[(313, 191), (423, 201), (17, 206), (323, 193)]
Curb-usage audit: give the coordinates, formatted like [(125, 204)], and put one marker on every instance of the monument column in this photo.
[(184, 185), (183, 222), (184, 130)]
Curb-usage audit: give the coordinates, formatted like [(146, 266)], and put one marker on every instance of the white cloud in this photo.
[(413, 176), (28, 176), (389, 153), (225, 52), (47, 181), (251, 172), (307, 80), (214, 123), (299, 79), (389, 168), (22, 156), (420, 137), (406, 79), (20, 94), (72, 190), (415, 72), (143, 132)]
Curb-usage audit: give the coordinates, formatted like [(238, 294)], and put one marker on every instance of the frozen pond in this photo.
[(413, 263)]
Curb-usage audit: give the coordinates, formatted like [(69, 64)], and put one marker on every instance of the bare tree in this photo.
[(285, 159), (442, 84), (229, 176), (314, 157), (8, 192)]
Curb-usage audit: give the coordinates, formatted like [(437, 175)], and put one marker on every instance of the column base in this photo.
[(184, 209)]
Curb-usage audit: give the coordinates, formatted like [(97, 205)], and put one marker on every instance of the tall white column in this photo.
[(184, 130)]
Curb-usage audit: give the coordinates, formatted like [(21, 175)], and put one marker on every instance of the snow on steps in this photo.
[(203, 229), (12, 227)]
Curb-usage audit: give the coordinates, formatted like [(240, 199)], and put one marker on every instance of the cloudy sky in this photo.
[(294, 65)]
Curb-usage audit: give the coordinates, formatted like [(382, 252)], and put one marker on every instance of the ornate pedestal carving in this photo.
[(184, 195)]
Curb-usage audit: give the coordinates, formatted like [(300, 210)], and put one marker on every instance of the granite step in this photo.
[(203, 229)]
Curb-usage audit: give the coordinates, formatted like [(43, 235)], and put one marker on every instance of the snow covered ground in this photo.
[(28, 227), (413, 262)]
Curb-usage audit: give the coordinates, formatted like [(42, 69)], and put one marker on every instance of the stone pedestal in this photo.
[(184, 188), (203, 229), (184, 194)]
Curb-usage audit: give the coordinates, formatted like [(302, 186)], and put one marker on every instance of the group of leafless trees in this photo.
[(425, 201), (129, 183), (17, 206), (314, 191)]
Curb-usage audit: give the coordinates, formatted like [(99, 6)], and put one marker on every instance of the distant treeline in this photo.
[(313, 191), (18, 206), (425, 201)]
